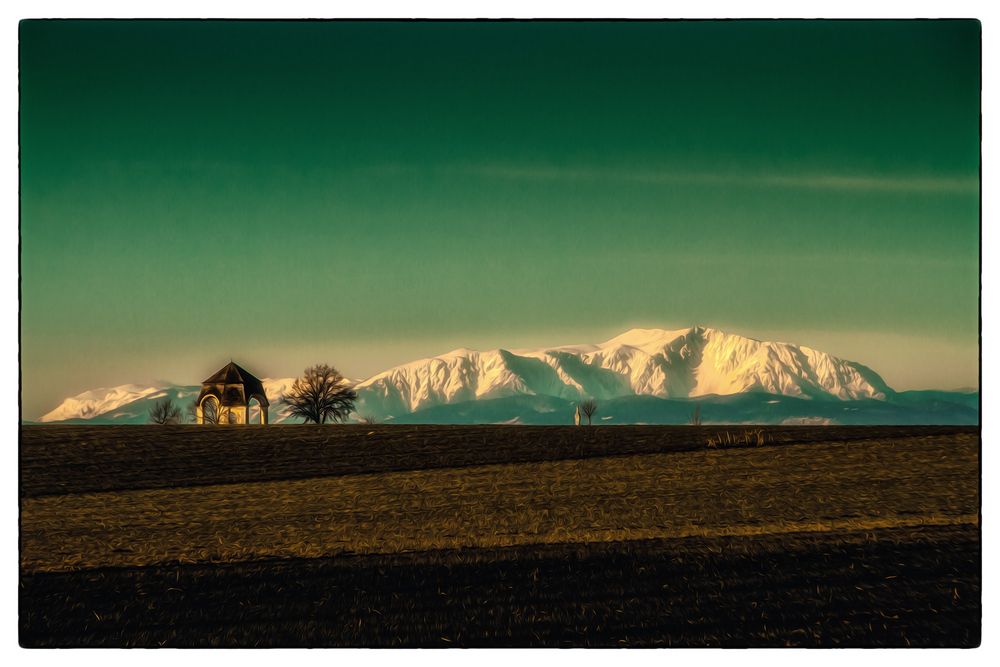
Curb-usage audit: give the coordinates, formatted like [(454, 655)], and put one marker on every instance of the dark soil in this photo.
[(897, 587), (76, 459)]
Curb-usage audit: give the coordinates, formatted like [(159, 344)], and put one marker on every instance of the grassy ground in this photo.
[(498, 536)]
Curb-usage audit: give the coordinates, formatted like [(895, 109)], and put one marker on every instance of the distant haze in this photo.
[(366, 194)]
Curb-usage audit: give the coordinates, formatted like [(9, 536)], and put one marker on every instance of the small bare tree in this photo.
[(696, 416), (212, 412), (321, 395), (368, 419), (588, 408), (165, 412)]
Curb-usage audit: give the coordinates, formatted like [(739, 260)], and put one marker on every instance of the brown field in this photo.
[(537, 536)]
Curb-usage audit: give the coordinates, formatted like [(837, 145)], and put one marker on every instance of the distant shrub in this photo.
[(757, 437), (696, 416), (165, 412)]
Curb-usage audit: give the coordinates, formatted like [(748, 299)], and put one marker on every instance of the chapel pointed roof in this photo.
[(233, 373)]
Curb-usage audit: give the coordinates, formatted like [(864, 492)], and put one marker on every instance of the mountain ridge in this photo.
[(682, 363), (671, 365)]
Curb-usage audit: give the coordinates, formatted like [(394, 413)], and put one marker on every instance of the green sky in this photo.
[(365, 193)]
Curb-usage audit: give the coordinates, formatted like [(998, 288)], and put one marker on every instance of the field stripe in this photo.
[(62, 460), (840, 487), (561, 537), (894, 587)]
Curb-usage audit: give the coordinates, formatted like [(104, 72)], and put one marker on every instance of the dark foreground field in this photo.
[(498, 536)]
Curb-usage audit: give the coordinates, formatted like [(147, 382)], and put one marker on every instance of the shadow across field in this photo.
[(897, 587), (78, 459)]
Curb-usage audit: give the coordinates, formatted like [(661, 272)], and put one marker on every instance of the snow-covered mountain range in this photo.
[(684, 363), (637, 371)]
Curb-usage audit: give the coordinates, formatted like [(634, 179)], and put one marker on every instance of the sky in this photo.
[(363, 194)]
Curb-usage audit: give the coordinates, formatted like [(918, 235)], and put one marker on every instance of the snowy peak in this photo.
[(650, 340)]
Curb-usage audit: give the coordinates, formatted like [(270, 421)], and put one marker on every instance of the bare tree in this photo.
[(368, 419), (212, 412), (321, 395), (588, 408), (696, 416), (165, 412)]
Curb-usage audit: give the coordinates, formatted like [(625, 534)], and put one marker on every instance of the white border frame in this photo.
[(19, 9)]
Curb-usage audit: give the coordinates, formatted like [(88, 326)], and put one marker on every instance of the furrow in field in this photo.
[(840, 486), (80, 459)]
